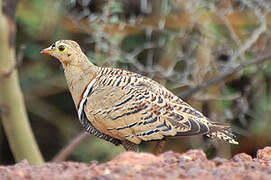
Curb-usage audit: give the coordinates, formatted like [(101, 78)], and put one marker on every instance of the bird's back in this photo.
[(129, 106)]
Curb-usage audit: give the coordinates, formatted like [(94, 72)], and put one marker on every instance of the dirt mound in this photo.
[(169, 165)]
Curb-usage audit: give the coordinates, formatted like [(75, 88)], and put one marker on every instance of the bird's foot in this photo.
[(159, 147), (129, 146)]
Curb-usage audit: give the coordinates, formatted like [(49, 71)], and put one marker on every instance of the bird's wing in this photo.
[(136, 108)]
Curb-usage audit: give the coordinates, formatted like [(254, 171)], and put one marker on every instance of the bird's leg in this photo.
[(159, 147), (129, 146)]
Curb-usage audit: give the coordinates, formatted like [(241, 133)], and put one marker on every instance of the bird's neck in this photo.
[(78, 77)]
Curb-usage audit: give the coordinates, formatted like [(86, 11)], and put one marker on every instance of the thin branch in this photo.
[(224, 75), (69, 148), (231, 31), (211, 98), (255, 35)]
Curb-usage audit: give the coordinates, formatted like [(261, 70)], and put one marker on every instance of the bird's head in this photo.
[(64, 50)]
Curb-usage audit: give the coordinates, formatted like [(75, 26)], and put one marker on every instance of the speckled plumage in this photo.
[(127, 108)]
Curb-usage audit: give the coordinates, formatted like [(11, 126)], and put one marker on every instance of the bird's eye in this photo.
[(61, 48)]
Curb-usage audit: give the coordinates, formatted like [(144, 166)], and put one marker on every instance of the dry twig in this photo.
[(68, 149), (224, 75)]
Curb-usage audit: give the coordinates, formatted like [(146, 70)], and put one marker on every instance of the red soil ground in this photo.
[(169, 165)]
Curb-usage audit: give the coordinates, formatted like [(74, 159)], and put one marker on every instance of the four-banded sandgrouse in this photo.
[(126, 108)]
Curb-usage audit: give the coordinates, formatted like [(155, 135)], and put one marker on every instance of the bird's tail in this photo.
[(223, 135)]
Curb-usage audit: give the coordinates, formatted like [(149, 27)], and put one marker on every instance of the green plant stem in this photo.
[(0, 6), (12, 108)]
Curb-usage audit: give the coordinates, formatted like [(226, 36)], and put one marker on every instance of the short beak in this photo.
[(46, 51)]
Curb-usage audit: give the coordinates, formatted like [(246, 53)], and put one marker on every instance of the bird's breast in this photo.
[(78, 83)]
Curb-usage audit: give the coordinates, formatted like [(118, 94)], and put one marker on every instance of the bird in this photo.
[(126, 108)]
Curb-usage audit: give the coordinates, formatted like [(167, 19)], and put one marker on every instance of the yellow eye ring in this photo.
[(61, 48)]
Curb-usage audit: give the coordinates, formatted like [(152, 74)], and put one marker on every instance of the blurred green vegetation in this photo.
[(179, 43)]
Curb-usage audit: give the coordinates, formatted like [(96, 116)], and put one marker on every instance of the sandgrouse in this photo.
[(127, 108)]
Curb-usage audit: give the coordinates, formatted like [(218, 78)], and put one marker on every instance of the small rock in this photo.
[(264, 154), (194, 155), (241, 157), (132, 159), (218, 161)]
